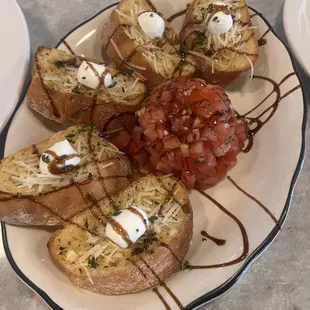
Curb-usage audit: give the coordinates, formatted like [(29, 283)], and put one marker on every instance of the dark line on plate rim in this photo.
[(252, 257)]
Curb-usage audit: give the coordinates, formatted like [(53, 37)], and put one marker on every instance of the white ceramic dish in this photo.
[(16, 54), (296, 20), (268, 172)]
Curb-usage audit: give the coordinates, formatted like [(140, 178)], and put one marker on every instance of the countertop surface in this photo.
[(280, 278)]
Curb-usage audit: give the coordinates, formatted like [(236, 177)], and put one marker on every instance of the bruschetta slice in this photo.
[(50, 182), (127, 243), (220, 37), (138, 37), (73, 89)]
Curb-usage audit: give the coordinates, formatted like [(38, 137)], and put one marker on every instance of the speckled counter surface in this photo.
[(279, 279)]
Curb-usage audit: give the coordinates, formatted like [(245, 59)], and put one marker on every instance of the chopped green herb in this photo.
[(70, 135), (64, 156), (92, 262), (137, 230), (90, 175), (151, 15), (86, 223), (76, 90), (86, 128), (186, 265), (200, 37), (228, 140), (146, 100), (117, 212), (68, 168), (204, 239), (46, 158), (153, 218)]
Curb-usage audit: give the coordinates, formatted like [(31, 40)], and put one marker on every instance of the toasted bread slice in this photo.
[(56, 93), (30, 197), (93, 263), (124, 41), (220, 58)]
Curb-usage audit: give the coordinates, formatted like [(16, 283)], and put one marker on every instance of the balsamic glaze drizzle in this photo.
[(163, 284), (156, 291), (176, 15), (262, 41), (256, 121), (244, 234), (217, 241), (68, 47), (255, 200)]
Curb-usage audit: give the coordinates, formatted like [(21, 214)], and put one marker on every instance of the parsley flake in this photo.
[(46, 158), (153, 218), (228, 140), (86, 223), (76, 90), (92, 262), (86, 128), (186, 265)]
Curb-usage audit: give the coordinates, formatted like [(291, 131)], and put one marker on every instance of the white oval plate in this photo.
[(296, 20), (268, 172), (15, 55)]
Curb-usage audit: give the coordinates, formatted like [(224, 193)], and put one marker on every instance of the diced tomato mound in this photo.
[(187, 128)]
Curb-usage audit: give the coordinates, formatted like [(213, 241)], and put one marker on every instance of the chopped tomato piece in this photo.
[(158, 114), (196, 149), (151, 133), (188, 178), (164, 168), (171, 142), (166, 96)]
